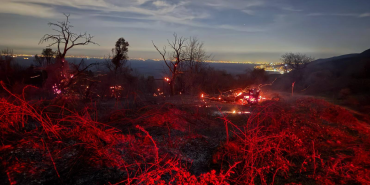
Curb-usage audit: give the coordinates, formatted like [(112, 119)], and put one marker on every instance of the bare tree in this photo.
[(65, 39), (194, 54), (296, 61), (176, 57), (195, 57)]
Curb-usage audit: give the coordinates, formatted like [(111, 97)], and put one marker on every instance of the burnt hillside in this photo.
[(344, 79), (327, 77)]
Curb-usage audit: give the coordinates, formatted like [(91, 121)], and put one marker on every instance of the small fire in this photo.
[(56, 89), (35, 76), (202, 96), (115, 90), (114, 87)]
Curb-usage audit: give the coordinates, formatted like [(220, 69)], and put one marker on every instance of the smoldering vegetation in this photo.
[(69, 142)]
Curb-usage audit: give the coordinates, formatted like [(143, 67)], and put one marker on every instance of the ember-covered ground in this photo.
[(290, 141)]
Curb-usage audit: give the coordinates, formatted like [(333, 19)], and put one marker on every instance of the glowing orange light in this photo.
[(202, 95)]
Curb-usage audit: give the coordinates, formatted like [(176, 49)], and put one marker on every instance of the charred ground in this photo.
[(294, 141)]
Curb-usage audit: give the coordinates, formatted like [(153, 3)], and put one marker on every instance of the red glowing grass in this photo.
[(274, 144), (52, 160), (102, 141)]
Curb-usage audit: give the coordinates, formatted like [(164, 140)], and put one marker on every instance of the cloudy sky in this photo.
[(237, 30)]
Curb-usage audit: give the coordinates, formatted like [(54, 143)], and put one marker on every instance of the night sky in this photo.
[(237, 30)]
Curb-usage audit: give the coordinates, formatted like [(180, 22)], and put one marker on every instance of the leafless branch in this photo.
[(163, 54), (66, 39)]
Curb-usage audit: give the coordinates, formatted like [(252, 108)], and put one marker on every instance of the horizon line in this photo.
[(148, 59)]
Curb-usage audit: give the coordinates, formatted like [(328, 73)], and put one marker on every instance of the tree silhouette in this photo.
[(296, 60), (119, 55), (48, 54), (39, 61), (45, 58), (65, 39), (177, 56), (6, 60), (195, 57)]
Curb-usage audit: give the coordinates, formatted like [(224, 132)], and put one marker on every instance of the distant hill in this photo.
[(333, 58), (366, 53), (330, 77), (151, 67)]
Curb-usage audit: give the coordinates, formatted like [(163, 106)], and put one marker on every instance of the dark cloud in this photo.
[(230, 28)]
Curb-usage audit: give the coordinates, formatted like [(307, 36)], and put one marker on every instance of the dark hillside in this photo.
[(345, 78), (366, 53)]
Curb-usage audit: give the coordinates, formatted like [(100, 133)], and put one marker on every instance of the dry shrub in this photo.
[(262, 157), (344, 93), (351, 101), (263, 146), (312, 140), (318, 109), (165, 116), (272, 115), (42, 145)]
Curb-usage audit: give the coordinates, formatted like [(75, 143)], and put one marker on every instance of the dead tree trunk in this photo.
[(178, 46)]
